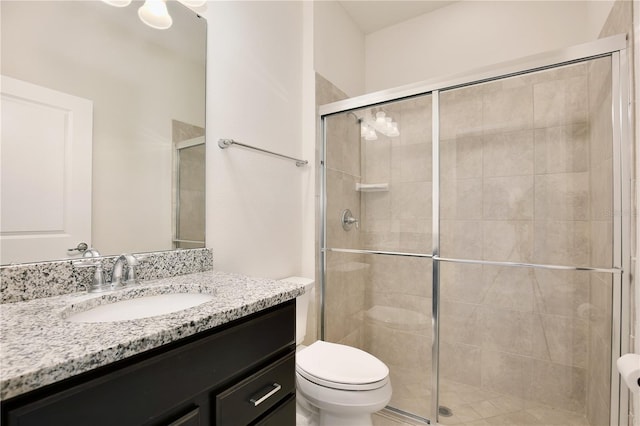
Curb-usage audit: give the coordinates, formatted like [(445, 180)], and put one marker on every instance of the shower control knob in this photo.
[(348, 220)]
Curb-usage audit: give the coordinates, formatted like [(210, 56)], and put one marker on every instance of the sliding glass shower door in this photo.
[(472, 241), (378, 273), (527, 178)]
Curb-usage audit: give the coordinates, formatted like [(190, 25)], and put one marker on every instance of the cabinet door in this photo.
[(192, 418)]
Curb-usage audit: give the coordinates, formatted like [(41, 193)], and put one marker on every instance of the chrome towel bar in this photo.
[(226, 143)]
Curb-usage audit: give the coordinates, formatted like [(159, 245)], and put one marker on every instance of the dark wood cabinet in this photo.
[(237, 374)]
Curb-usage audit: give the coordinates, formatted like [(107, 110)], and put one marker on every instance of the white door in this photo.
[(45, 179)]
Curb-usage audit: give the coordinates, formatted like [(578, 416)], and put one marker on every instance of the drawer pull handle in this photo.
[(257, 401)]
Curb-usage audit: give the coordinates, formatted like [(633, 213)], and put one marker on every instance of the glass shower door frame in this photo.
[(613, 47)]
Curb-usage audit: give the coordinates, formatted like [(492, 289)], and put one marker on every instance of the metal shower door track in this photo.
[(579, 53)]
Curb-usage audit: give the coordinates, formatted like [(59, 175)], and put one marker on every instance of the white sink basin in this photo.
[(141, 307)]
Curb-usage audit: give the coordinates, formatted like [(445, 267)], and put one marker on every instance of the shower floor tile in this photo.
[(468, 409)]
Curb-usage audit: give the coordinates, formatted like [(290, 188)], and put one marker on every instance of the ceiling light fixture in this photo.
[(118, 3), (154, 13)]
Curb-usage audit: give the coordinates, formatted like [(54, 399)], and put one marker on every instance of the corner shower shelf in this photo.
[(372, 187)]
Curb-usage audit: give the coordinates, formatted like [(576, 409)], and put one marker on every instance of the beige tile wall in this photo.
[(398, 326), (347, 278), (400, 219)]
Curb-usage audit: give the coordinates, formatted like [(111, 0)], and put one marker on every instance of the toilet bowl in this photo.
[(345, 384), (337, 385)]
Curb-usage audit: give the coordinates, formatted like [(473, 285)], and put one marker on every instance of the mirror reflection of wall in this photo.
[(140, 80)]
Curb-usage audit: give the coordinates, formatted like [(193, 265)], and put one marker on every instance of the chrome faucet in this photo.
[(124, 269), (122, 274)]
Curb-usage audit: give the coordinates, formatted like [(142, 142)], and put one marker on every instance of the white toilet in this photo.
[(337, 385)]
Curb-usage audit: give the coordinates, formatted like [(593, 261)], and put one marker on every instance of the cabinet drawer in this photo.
[(255, 395)]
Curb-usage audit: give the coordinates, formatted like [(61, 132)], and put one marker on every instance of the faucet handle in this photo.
[(98, 283)]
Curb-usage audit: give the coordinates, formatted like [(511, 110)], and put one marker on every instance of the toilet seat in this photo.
[(341, 367)]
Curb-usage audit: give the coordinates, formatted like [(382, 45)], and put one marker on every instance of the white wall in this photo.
[(309, 197), (597, 14), (339, 48), (470, 34), (254, 95)]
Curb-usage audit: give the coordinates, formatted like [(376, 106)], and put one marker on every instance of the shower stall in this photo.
[(476, 238)]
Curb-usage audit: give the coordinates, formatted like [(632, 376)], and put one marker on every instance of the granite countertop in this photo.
[(39, 347)]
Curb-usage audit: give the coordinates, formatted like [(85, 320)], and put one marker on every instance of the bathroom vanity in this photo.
[(229, 361)]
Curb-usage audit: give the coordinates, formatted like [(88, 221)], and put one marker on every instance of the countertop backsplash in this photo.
[(28, 281)]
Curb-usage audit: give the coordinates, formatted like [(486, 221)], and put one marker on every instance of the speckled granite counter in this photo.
[(39, 347)]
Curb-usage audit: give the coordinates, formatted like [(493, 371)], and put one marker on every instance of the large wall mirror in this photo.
[(102, 130)]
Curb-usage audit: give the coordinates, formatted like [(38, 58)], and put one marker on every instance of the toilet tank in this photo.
[(302, 305)]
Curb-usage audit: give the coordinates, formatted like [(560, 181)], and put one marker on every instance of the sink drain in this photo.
[(445, 411)]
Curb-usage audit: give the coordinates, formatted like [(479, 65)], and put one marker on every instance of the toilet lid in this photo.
[(341, 367)]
